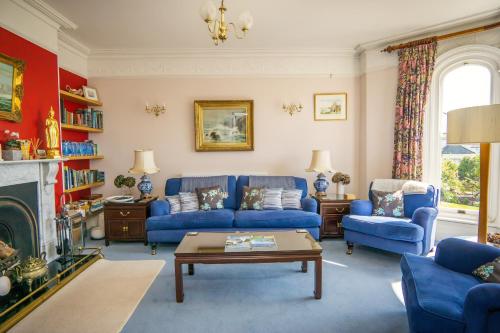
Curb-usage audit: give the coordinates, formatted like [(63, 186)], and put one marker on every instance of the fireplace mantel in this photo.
[(44, 172)]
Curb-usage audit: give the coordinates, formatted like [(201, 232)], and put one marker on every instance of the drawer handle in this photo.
[(124, 214), (339, 210)]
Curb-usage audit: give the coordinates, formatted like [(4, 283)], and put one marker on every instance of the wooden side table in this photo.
[(332, 208), (126, 221)]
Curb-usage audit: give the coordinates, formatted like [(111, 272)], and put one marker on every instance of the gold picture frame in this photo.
[(224, 125), (11, 88), (330, 106)]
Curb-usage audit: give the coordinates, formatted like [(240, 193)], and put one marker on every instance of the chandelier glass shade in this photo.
[(218, 27)]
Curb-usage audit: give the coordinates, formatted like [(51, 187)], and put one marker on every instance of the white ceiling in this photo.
[(278, 24)]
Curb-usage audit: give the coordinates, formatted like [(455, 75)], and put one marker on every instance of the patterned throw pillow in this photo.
[(290, 199), (210, 198), (253, 198), (272, 198), (388, 203), (189, 202), (489, 272), (175, 203)]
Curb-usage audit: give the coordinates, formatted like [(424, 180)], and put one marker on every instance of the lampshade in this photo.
[(208, 11), (144, 162), (477, 124), (245, 20), (320, 162)]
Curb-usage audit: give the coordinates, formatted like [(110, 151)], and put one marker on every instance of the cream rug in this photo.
[(101, 299)]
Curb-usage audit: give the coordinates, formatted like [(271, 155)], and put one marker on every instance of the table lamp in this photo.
[(144, 164), (320, 163), (478, 124)]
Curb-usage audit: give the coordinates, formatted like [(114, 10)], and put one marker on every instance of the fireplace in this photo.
[(19, 227)]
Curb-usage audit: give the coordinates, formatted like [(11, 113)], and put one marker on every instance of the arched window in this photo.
[(465, 76)]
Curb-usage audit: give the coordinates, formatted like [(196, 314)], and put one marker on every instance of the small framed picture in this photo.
[(90, 93), (330, 106), (41, 153)]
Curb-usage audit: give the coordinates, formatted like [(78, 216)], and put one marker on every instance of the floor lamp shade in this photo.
[(478, 124)]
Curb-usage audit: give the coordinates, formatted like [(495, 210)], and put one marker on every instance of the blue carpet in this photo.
[(359, 294)]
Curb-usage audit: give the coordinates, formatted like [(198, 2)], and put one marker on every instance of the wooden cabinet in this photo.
[(332, 209), (126, 221)]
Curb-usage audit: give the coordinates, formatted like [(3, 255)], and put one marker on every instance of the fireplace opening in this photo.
[(18, 218)]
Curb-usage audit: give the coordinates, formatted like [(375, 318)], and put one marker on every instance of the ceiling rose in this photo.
[(217, 25)]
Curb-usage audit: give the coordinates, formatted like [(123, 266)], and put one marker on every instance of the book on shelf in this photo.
[(85, 148), (88, 117), (247, 243), (76, 178)]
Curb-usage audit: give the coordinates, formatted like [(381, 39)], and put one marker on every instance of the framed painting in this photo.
[(223, 125), (330, 106), (11, 88)]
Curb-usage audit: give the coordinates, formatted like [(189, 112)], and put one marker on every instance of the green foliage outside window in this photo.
[(460, 182)]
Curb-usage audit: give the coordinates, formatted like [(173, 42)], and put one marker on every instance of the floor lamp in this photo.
[(478, 124)]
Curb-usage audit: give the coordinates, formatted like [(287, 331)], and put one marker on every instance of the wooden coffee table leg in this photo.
[(179, 289), (191, 269), (304, 267), (318, 277)]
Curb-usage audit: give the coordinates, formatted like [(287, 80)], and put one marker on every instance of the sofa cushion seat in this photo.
[(439, 291), (393, 228), (219, 218), (276, 219)]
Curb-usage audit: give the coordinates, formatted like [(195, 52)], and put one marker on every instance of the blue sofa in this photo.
[(163, 227), (442, 295), (414, 233)]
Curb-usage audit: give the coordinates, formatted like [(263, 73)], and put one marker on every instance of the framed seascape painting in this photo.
[(330, 106), (11, 88), (223, 125)]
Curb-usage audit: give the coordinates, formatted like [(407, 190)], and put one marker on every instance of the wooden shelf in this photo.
[(81, 128), (84, 187), (77, 158), (78, 99)]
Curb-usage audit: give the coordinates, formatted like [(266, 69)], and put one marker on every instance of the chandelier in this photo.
[(218, 27)]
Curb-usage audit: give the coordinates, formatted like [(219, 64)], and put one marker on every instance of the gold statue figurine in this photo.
[(52, 135)]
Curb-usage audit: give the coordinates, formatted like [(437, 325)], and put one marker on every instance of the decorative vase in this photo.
[(12, 154), (340, 188), (25, 149), (145, 186), (321, 184)]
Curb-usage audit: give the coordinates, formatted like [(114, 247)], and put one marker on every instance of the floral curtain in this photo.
[(416, 65)]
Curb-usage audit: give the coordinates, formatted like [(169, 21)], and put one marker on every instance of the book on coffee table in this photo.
[(249, 243)]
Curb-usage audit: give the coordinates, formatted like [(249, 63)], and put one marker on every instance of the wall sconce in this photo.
[(155, 109), (292, 108)]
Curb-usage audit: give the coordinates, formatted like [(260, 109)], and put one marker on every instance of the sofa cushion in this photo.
[(189, 202), (290, 199), (272, 198), (384, 227), (276, 219), (175, 203), (210, 197), (388, 203), (253, 198), (219, 218), (439, 291), (489, 272)]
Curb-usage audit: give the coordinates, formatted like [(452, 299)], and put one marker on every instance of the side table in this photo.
[(332, 208), (126, 221)]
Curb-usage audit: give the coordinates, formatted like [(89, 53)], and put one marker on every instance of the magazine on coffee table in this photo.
[(250, 243)]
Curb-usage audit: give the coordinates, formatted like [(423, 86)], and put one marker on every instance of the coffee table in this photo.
[(208, 248)]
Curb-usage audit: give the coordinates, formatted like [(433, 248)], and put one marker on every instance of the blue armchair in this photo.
[(414, 233), (442, 295)]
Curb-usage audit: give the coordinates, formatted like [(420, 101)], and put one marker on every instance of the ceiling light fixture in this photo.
[(217, 25)]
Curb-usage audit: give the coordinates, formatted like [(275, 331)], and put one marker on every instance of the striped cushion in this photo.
[(189, 202), (290, 199), (272, 198), (175, 203)]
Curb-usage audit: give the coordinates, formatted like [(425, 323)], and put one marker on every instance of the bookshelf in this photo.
[(72, 105), (67, 96), (84, 187), (81, 128), (79, 158)]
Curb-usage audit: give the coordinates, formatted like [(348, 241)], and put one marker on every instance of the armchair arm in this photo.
[(426, 218), (481, 303), (160, 207), (309, 205), (464, 256), (361, 207)]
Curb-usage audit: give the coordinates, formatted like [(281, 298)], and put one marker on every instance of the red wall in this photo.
[(41, 89)]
